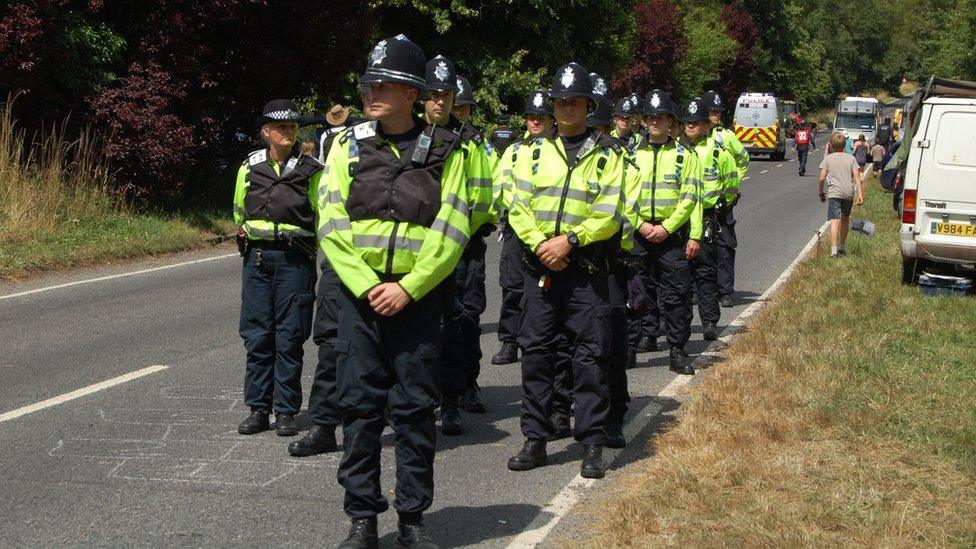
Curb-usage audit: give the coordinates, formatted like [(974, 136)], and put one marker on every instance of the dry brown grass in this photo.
[(828, 423)]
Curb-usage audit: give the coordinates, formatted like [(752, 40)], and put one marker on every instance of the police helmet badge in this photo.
[(718, 100), (441, 71), (692, 107), (537, 100), (600, 88), (567, 78), (626, 106), (655, 101), (460, 86), (379, 53)]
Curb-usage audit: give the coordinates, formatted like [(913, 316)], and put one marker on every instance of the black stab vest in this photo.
[(281, 199)]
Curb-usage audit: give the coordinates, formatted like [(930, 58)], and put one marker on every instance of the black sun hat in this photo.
[(279, 110), (397, 60)]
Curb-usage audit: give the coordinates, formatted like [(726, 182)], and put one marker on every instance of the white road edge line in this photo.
[(14, 414), (567, 498), (120, 275)]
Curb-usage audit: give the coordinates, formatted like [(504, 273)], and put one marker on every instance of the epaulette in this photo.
[(257, 157)]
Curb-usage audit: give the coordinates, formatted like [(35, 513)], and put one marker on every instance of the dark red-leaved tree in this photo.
[(658, 47), (741, 28)]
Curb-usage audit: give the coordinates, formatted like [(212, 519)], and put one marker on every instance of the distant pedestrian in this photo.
[(860, 151), (877, 155), (840, 172), (801, 144)]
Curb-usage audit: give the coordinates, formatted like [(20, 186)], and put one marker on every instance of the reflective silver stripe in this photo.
[(325, 229), (450, 231), (507, 172), (693, 181), (712, 194), (557, 192), (479, 182), (547, 215), (610, 190), (479, 207), (406, 76), (516, 199), (401, 242), (458, 204), (665, 202), (341, 223), (523, 185), (605, 208), (333, 197), (690, 196), (661, 184), (325, 167), (272, 234)]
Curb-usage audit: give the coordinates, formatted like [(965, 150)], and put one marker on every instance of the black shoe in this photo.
[(285, 425), (615, 435), (681, 365), (533, 455), (694, 298), (647, 344), (711, 332), (560, 426), (255, 423), (592, 465), (508, 354), (631, 360), (319, 440), (471, 401), (726, 301), (451, 424), (414, 536), (362, 535)]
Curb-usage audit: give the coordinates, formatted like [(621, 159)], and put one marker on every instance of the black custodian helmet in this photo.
[(465, 93), (627, 107), (713, 101), (397, 60), (696, 110), (658, 102), (603, 113), (538, 103), (571, 80), (440, 74)]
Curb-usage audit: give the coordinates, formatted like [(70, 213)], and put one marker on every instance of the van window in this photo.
[(756, 115), (954, 142), (855, 122)]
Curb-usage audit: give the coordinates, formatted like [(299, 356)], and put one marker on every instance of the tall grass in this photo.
[(49, 183)]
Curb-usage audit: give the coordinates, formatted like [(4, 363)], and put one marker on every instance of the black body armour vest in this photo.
[(397, 189), (281, 199)]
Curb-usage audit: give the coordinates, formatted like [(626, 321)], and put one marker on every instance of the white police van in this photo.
[(938, 209)]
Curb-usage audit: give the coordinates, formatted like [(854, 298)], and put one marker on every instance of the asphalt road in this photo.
[(157, 460)]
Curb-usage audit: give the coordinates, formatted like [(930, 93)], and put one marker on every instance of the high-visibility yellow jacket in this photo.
[(365, 251), (735, 148), (665, 188), (721, 177), (479, 161), (282, 203), (550, 198)]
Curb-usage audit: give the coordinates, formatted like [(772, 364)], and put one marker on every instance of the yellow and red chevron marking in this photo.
[(764, 138)]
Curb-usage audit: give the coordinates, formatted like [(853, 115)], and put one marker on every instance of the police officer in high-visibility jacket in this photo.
[(727, 241), (718, 168), (668, 216), (394, 224), (627, 123), (275, 208), (511, 275), (564, 207)]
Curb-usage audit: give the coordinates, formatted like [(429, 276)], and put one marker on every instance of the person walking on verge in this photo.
[(842, 176), (394, 225)]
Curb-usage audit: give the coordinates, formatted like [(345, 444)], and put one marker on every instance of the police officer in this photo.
[(718, 168), (538, 122), (564, 208), (626, 123), (668, 217), (274, 208), (727, 242), (503, 135), (394, 226)]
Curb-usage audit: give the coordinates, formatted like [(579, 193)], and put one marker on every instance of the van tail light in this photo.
[(909, 204)]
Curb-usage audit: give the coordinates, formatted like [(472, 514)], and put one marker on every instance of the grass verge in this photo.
[(845, 415), (57, 210)]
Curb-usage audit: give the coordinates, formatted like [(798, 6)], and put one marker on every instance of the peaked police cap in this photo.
[(464, 93), (658, 102), (713, 101), (571, 80), (279, 110), (396, 60), (538, 103)]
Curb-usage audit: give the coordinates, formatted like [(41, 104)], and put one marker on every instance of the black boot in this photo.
[(451, 424), (726, 301), (533, 455), (592, 465), (615, 434), (255, 423), (711, 331), (471, 400), (647, 344), (362, 535), (508, 354), (680, 363), (631, 360), (413, 535), (285, 425), (560, 426), (319, 440)]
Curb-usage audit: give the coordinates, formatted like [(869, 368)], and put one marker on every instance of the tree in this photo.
[(735, 76), (659, 45), (709, 51)]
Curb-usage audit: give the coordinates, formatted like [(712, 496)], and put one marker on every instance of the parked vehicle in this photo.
[(855, 116), (758, 124)]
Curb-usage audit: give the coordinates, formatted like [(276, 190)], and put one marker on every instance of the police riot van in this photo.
[(938, 230), (855, 116), (757, 124)]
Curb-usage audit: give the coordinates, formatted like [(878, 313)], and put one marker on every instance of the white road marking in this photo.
[(746, 177), (14, 414), (779, 165), (764, 171), (564, 501), (120, 275)]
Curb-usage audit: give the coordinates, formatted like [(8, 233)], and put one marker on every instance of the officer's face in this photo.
[(622, 124), (715, 117), (696, 130), (538, 124), (462, 112), (438, 107), (658, 126), (571, 113), (384, 99), (280, 134)]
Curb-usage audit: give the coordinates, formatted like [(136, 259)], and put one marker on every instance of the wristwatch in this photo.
[(572, 238)]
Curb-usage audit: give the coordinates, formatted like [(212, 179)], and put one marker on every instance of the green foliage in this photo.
[(956, 44), (709, 50), (93, 51)]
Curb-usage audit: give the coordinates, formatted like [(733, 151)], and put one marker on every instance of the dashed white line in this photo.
[(779, 165), (14, 414), (764, 171), (121, 275)]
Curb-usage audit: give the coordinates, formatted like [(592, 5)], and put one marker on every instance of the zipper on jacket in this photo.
[(389, 252), (654, 187)]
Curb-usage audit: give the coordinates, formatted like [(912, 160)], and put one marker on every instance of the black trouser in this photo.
[(323, 405), (575, 303), (463, 304), (671, 272), (387, 368), (801, 159), (562, 383), (451, 374), (511, 277), (647, 325), (725, 254), (277, 297), (617, 374), (704, 271)]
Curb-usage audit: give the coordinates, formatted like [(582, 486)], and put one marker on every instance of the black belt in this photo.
[(282, 245)]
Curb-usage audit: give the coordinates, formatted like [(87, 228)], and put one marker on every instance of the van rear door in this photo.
[(946, 215)]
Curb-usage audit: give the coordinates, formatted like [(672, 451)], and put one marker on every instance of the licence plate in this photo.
[(954, 229)]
